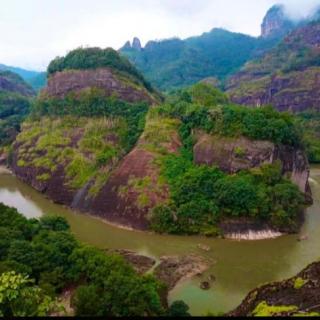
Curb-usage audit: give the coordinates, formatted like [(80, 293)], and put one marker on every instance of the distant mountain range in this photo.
[(175, 63), (36, 79), (219, 54)]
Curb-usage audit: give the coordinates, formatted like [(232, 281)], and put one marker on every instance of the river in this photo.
[(238, 266)]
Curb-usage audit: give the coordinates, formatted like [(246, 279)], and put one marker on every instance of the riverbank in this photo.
[(238, 266), (239, 230)]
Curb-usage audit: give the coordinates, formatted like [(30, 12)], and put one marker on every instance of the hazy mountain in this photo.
[(36, 79)]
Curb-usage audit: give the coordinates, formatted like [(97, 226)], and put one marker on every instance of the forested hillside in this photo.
[(176, 63), (15, 97)]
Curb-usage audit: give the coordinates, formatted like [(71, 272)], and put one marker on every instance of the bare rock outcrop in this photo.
[(172, 270), (235, 154), (62, 83), (300, 293), (140, 263), (276, 23)]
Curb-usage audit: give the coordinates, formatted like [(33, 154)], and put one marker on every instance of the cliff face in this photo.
[(55, 157), (62, 83), (235, 154), (296, 91), (299, 295), (287, 77), (275, 23)]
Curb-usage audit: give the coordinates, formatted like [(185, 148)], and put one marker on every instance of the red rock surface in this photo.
[(62, 83)]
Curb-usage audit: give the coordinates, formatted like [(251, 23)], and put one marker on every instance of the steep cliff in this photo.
[(286, 77), (79, 145), (298, 296), (235, 154), (62, 83), (276, 23)]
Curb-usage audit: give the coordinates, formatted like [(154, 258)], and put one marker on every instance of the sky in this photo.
[(33, 32)]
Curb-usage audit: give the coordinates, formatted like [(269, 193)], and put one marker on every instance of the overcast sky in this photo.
[(32, 32)]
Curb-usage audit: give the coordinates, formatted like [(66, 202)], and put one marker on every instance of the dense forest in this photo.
[(39, 259), (15, 101), (174, 63)]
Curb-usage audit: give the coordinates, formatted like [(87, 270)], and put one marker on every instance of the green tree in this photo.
[(179, 309), (20, 298)]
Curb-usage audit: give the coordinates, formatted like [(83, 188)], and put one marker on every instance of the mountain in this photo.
[(276, 23), (102, 141), (173, 63), (85, 121), (34, 78), (286, 77), (15, 95), (13, 83)]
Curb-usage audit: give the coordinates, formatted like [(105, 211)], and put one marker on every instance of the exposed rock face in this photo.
[(302, 291), (235, 154), (136, 44), (120, 201), (62, 83), (275, 23), (123, 207), (125, 198), (296, 92), (140, 263), (172, 270), (55, 188), (287, 77)]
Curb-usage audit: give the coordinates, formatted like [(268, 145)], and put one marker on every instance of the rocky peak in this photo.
[(136, 44), (276, 23), (126, 46)]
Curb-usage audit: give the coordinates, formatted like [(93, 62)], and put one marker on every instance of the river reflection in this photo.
[(238, 266)]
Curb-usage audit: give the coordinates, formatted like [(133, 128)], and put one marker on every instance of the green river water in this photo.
[(238, 266)]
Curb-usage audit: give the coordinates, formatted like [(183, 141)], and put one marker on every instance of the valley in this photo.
[(172, 179)]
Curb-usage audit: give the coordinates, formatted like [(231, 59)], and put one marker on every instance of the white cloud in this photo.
[(35, 31)]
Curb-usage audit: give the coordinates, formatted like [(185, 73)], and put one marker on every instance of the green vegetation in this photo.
[(286, 76), (19, 297), (299, 283), (264, 310), (179, 309), (94, 103), (310, 126), (45, 251), (175, 63), (14, 106), (13, 110), (88, 148), (216, 116), (36, 80), (93, 58), (88, 134), (202, 196)]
